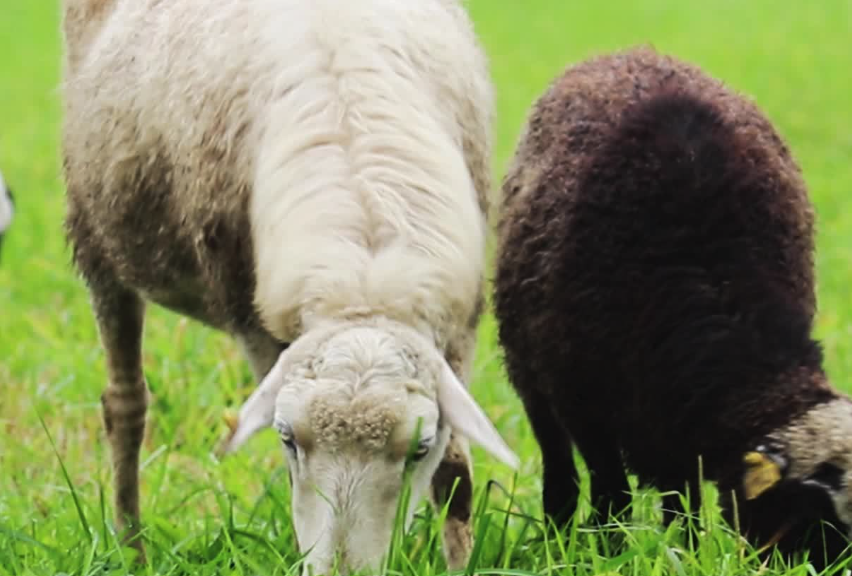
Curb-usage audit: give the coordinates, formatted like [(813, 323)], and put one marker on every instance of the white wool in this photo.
[(368, 204), (365, 130)]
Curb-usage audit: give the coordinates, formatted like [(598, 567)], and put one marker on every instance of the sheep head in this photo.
[(357, 406), (799, 477)]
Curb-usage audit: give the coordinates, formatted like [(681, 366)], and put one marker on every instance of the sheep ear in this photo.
[(465, 416), (763, 470), (258, 411)]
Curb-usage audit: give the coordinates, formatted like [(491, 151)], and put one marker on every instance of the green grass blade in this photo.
[(84, 523)]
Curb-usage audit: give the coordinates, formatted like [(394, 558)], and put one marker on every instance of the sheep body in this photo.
[(311, 176), (655, 293)]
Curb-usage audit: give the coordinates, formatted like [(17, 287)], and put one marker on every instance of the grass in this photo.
[(204, 516)]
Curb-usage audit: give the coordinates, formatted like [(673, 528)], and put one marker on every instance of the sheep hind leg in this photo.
[(120, 316)]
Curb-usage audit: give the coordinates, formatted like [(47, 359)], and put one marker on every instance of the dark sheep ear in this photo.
[(764, 468), (827, 476)]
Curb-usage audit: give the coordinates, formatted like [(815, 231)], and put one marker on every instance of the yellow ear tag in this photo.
[(761, 474)]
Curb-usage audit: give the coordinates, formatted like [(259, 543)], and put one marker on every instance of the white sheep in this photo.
[(311, 176), (7, 208)]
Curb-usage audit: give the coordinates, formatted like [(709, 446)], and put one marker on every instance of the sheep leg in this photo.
[(610, 491), (120, 316), (561, 484), (454, 476), (457, 534), (261, 350)]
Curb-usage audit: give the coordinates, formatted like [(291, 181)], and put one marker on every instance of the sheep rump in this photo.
[(654, 287)]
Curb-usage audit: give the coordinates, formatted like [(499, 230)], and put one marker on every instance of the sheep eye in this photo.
[(286, 435), (422, 450)]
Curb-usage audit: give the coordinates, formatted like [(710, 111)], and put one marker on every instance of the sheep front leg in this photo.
[(454, 476), (610, 491), (261, 350), (561, 481), (120, 316)]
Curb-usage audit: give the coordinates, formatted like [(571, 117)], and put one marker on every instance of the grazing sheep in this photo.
[(7, 208), (655, 298), (310, 176)]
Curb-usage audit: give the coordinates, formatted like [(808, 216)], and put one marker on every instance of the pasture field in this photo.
[(205, 516)]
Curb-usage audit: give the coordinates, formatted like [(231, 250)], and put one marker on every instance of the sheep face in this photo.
[(347, 426), (345, 501), (361, 410), (800, 477)]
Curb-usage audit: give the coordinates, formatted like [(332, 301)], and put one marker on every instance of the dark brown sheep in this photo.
[(655, 297)]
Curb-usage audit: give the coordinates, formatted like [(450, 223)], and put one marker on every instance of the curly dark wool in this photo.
[(655, 287)]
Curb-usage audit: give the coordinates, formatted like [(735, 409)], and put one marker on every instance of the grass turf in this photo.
[(232, 517)]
